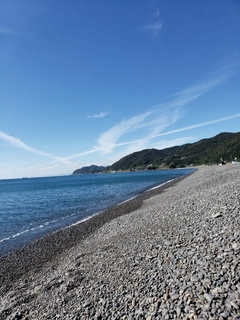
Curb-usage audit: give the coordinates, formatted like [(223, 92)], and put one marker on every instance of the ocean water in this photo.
[(33, 207)]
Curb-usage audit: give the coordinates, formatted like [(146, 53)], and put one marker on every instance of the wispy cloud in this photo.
[(151, 124), (108, 139), (194, 126), (99, 115), (143, 130), (4, 30), (209, 83), (161, 116), (199, 89), (146, 126), (170, 143), (154, 28), (84, 153), (156, 13), (19, 144), (144, 143)]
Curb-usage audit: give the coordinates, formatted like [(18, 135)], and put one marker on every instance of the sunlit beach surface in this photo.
[(170, 253)]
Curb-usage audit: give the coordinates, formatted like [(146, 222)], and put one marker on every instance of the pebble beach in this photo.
[(170, 253)]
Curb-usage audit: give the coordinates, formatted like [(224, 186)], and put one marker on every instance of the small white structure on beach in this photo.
[(235, 161)]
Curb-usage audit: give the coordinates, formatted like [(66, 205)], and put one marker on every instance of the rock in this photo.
[(174, 297), (208, 297), (236, 246), (86, 304), (216, 215)]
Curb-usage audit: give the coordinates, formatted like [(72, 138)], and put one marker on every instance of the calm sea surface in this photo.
[(31, 208)]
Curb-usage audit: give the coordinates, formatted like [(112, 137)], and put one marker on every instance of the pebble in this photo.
[(216, 215), (176, 257), (208, 297)]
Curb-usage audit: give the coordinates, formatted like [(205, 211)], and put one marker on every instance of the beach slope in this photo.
[(172, 254)]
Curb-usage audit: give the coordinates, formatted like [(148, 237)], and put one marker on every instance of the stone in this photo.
[(169, 259), (216, 215), (208, 297)]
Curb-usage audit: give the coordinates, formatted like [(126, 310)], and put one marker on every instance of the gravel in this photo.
[(174, 255)]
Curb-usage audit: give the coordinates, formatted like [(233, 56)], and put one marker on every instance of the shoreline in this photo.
[(43, 250), (175, 255), (13, 238)]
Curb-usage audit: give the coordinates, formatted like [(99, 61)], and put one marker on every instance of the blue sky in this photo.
[(88, 82)]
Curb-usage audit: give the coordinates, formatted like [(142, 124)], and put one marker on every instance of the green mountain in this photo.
[(89, 169), (224, 146)]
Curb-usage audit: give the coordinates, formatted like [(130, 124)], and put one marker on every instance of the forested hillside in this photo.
[(224, 146)]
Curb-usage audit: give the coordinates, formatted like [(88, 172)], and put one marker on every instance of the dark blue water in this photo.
[(31, 208)]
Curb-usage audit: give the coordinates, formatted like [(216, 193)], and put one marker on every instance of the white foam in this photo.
[(126, 200), (83, 220), (78, 222), (41, 226), (14, 236), (160, 185), (118, 204)]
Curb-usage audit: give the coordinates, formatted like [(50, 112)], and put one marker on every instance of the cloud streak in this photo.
[(140, 131), (108, 139), (19, 144), (156, 13), (194, 126), (143, 141), (154, 28), (7, 31), (161, 116), (193, 92), (152, 123), (99, 115)]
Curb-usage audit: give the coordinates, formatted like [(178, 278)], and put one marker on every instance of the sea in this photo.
[(31, 208)]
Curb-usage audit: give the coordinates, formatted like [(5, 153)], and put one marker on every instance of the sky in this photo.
[(89, 82)]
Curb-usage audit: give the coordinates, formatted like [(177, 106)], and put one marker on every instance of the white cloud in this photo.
[(145, 142), (7, 31), (84, 153), (19, 144), (154, 28), (139, 132), (156, 13), (108, 139), (203, 124), (171, 143), (161, 116), (55, 166), (99, 115), (152, 123)]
